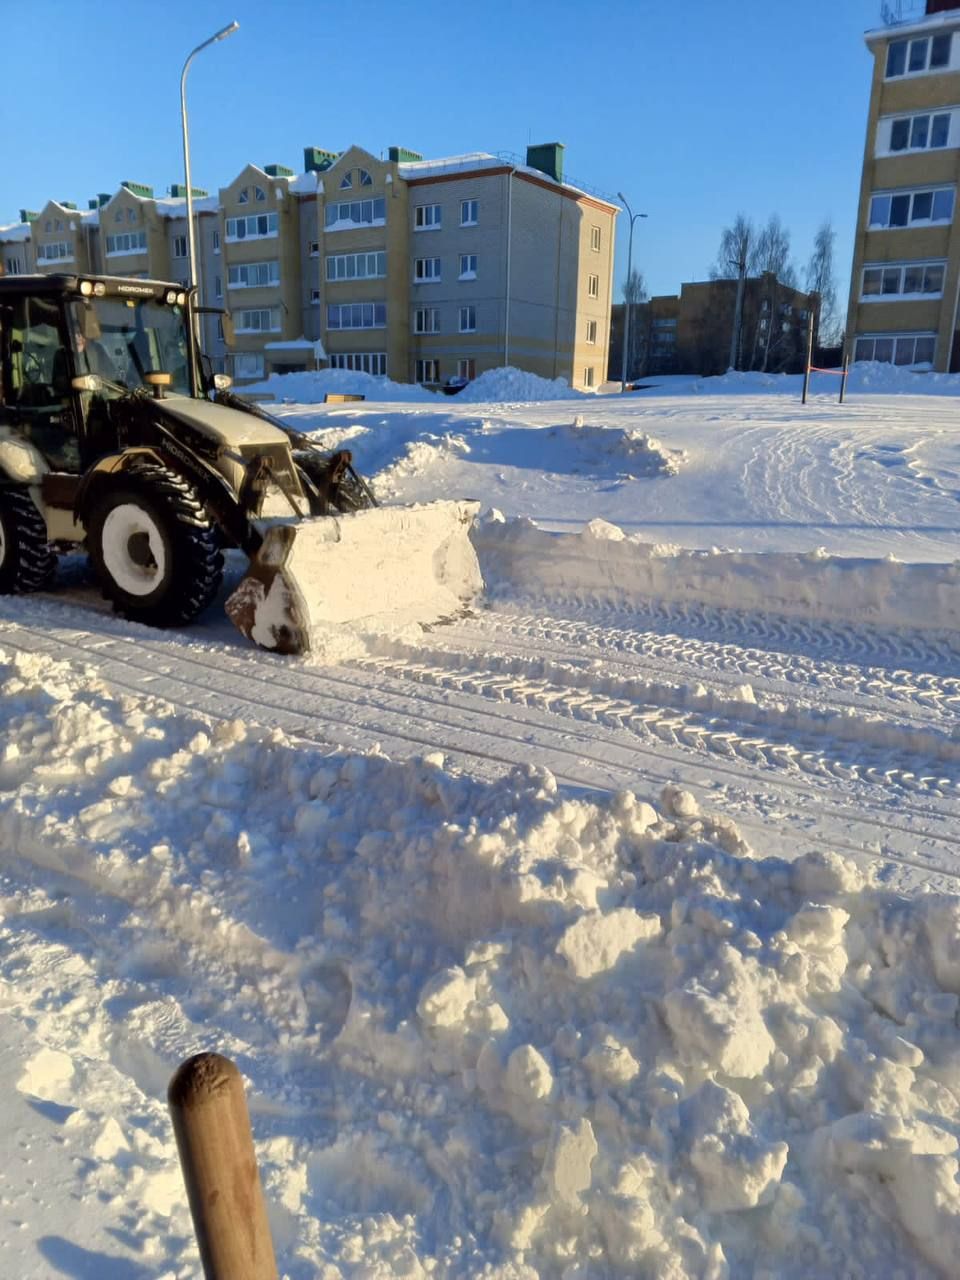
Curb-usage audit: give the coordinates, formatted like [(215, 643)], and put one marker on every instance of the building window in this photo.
[(259, 193), (257, 226), (426, 270), (897, 348), (467, 368), (129, 242), (365, 179), (910, 57), (468, 266), (220, 328), (357, 266), (179, 246), (428, 371), (924, 132), (131, 215), (218, 286), (243, 197), (356, 213), (356, 315), (469, 213), (904, 208), (315, 297), (426, 320), (588, 376), (48, 225), (262, 320), (911, 280), (468, 319), (13, 266), (346, 182), (216, 242), (591, 331), (55, 251), (593, 286), (253, 275), (314, 248), (374, 362), (595, 239), (248, 366), (426, 217)]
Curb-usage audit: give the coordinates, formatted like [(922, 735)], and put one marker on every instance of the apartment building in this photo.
[(423, 270), (906, 265), (691, 332)]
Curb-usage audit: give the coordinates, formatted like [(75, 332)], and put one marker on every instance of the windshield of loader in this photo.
[(124, 339)]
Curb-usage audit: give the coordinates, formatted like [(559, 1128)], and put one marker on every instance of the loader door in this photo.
[(37, 399)]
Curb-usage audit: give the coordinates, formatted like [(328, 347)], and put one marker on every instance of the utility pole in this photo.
[(628, 296)]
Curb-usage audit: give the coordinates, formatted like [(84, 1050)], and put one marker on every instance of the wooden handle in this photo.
[(212, 1128)]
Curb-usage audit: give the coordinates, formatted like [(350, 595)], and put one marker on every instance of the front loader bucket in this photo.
[(369, 570)]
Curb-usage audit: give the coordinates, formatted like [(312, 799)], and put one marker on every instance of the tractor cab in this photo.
[(70, 347)]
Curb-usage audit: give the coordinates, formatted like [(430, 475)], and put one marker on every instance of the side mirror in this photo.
[(159, 381), (222, 381), (87, 382)]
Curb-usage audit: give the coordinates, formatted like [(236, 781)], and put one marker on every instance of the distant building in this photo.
[(906, 264), (692, 332), (424, 270)]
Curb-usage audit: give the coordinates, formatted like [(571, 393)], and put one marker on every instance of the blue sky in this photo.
[(694, 109)]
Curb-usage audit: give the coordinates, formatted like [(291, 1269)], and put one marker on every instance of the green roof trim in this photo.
[(138, 189), (278, 171), (316, 160), (29, 215), (400, 155), (179, 191)]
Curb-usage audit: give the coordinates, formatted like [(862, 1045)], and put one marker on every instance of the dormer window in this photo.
[(365, 179), (58, 225), (131, 215), (243, 197), (48, 225), (117, 217), (346, 182), (260, 193)]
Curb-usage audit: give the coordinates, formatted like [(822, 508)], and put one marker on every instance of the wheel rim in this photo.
[(133, 549)]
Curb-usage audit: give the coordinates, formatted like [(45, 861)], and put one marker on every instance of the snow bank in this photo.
[(489, 1030), (602, 563), (865, 378), (311, 387), (632, 451), (515, 386)]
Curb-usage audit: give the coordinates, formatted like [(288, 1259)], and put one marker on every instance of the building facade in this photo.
[(692, 332), (427, 271), (906, 264)]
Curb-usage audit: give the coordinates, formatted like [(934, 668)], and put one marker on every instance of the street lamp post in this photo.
[(627, 302), (191, 243)]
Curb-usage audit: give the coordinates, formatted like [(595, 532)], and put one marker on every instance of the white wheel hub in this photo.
[(134, 553)]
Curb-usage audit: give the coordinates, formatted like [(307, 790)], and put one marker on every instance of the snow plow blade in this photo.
[(370, 570)]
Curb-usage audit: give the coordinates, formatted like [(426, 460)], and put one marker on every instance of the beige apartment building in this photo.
[(425, 271), (906, 267)]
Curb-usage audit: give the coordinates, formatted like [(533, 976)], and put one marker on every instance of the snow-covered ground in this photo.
[(608, 931)]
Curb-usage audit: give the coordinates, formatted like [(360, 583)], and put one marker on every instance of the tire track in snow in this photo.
[(486, 736)]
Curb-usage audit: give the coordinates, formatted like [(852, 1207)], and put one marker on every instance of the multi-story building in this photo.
[(692, 332), (906, 263), (424, 270)]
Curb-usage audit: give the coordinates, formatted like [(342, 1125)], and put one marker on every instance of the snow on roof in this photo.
[(176, 206), (297, 344), (304, 183), (15, 232)]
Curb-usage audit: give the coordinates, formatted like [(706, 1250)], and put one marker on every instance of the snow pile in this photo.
[(873, 377), (311, 387), (867, 377), (634, 452), (516, 386), (602, 563), (489, 1031)]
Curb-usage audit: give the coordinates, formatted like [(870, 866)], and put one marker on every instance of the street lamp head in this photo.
[(227, 31)]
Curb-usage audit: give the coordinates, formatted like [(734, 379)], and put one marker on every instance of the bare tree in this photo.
[(733, 261), (634, 293), (821, 279)]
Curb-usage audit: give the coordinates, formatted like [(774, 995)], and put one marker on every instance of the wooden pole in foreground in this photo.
[(212, 1128)]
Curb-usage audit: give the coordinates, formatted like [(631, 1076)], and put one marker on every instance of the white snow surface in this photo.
[(609, 930)]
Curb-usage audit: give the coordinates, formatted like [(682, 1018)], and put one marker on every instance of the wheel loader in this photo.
[(115, 435)]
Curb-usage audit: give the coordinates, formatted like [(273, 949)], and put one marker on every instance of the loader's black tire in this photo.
[(26, 561), (153, 547)]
